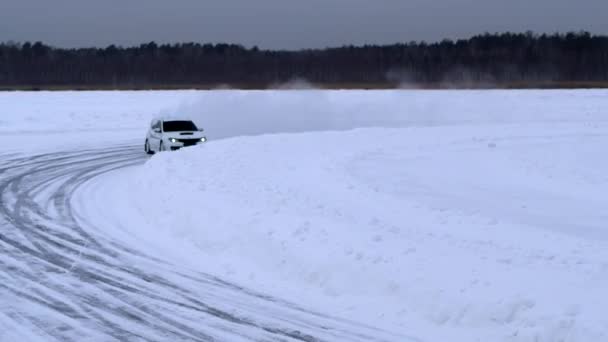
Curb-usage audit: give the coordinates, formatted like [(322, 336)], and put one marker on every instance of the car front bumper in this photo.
[(183, 143)]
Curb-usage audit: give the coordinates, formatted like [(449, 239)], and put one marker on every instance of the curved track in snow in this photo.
[(65, 281)]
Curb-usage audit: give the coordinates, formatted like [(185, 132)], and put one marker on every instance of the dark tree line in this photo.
[(507, 59)]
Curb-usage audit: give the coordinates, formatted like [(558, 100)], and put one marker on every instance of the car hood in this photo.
[(185, 135)]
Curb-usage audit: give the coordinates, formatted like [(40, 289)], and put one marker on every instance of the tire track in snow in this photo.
[(71, 283)]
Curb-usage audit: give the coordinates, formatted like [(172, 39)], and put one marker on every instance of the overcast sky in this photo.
[(287, 24)]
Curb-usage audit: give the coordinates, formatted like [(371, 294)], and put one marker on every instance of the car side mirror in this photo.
[(201, 130), (157, 130)]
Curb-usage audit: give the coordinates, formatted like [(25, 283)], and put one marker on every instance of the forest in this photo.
[(501, 60)]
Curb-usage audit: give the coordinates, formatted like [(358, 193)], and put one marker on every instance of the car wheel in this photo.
[(147, 148)]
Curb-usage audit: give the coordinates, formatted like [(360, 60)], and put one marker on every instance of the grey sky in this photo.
[(287, 24)]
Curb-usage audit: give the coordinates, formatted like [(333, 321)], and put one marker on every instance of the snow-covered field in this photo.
[(442, 215)]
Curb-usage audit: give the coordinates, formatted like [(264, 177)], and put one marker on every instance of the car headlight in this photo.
[(173, 140), (203, 139)]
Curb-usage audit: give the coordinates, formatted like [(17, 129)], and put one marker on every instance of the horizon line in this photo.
[(534, 34)]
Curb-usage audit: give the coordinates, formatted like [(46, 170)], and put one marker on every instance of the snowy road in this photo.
[(65, 281)]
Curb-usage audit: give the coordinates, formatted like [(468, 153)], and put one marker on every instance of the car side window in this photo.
[(156, 125)]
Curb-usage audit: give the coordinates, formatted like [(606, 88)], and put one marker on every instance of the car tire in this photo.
[(147, 148)]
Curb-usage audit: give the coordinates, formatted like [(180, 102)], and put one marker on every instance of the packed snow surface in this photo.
[(444, 215)]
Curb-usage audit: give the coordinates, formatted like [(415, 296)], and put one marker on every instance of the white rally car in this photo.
[(172, 134)]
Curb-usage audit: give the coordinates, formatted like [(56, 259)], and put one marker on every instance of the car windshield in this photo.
[(175, 126)]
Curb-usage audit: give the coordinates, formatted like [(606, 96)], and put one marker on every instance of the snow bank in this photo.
[(470, 232)]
